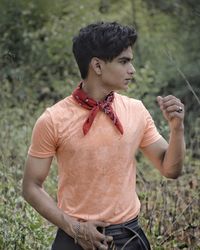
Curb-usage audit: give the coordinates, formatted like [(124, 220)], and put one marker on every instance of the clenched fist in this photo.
[(173, 110)]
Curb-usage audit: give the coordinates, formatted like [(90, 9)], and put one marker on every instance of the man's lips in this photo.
[(128, 80)]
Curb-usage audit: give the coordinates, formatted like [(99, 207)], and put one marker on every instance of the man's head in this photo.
[(104, 40)]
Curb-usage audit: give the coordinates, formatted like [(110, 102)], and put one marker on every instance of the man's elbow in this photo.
[(174, 173), (27, 190)]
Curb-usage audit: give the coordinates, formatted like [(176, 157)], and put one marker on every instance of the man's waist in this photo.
[(117, 229)]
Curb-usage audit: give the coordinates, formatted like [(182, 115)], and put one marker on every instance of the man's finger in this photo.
[(100, 246), (109, 238), (174, 108), (168, 98), (172, 102), (159, 99), (104, 238), (100, 223)]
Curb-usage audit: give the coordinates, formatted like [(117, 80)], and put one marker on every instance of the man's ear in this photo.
[(96, 65)]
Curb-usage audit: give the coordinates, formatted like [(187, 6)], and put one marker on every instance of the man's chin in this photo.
[(125, 87)]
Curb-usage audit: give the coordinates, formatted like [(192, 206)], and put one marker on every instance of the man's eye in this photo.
[(123, 62)]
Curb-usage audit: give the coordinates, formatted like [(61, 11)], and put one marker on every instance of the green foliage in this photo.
[(37, 69), (170, 207), (20, 225)]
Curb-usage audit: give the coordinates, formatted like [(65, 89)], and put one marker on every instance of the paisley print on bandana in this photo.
[(88, 103)]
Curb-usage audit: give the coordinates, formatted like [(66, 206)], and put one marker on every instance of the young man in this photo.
[(94, 134)]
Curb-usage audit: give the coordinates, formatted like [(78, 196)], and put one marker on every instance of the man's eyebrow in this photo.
[(125, 58)]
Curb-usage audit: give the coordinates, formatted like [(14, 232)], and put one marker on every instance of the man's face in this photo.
[(116, 75)]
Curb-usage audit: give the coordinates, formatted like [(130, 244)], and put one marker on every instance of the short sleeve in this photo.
[(151, 133), (43, 141)]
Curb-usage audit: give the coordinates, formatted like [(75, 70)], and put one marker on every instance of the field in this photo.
[(37, 68), (170, 208)]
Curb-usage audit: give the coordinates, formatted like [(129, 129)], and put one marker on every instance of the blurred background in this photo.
[(37, 69)]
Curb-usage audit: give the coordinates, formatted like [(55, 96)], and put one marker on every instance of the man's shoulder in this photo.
[(58, 111), (61, 106), (126, 100)]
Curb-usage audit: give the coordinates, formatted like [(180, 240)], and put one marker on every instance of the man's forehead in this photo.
[(126, 53)]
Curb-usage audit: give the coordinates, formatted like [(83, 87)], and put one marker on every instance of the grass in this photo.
[(170, 208)]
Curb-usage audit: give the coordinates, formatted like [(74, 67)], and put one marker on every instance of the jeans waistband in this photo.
[(119, 228)]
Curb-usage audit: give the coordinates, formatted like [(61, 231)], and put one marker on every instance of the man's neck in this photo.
[(95, 90)]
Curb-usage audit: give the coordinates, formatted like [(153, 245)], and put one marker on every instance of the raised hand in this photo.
[(173, 110)]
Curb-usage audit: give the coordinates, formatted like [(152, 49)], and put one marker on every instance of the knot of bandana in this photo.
[(88, 103)]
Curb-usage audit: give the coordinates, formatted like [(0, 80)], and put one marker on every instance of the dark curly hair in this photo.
[(105, 40)]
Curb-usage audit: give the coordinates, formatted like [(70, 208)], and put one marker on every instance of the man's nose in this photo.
[(131, 70)]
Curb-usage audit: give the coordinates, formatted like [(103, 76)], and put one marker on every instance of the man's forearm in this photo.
[(46, 206), (173, 159)]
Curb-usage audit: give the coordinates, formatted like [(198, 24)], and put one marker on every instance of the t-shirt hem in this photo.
[(34, 154), (149, 142)]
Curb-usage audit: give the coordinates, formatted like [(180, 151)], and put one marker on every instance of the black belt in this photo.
[(129, 228), (116, 229)]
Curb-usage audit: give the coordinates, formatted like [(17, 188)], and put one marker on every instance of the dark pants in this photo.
[(126, 236)]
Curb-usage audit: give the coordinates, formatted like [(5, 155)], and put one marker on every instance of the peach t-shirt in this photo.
[(97, 172)]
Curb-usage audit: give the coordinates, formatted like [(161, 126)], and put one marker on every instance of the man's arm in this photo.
[(35, 174), (168, 157)]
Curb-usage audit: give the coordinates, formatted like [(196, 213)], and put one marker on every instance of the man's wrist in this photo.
[(69, 225), (177, 129), (77, 231)]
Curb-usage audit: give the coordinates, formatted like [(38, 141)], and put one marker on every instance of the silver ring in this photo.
[(179, 110)]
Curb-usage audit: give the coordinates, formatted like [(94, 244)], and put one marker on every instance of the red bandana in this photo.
[(90, 104)]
